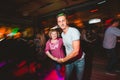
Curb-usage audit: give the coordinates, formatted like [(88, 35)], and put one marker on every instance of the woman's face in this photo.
[(54, 35)]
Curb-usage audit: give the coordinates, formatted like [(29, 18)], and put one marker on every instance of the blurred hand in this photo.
[(55, 59), (118, 40), (60, 60)]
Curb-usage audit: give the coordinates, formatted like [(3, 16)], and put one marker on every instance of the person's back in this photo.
[(109, 44), (110, 36)]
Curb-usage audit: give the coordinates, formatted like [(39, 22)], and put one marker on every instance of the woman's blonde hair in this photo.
[(53, 30)]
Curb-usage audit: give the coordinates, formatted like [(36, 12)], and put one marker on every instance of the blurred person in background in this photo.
[(40, 42), (109, 44)]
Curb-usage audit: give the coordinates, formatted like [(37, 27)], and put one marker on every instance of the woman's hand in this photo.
[(55, 59)]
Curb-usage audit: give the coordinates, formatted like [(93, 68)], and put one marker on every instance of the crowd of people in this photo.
[(73, 48)]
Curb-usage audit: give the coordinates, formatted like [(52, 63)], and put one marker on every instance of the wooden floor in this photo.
[(98, 69), (94, 70)]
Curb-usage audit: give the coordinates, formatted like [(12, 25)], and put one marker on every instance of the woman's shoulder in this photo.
[(49, 40)]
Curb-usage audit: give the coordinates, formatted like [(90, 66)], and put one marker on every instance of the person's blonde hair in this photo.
[(53, 30)]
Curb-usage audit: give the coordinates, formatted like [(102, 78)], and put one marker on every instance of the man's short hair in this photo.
[(60, 14), (115, 20)]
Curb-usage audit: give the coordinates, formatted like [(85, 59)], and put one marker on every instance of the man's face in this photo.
[(116, 24), (62, 22)]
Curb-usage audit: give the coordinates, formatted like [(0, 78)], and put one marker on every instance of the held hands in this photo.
[(60, 60)]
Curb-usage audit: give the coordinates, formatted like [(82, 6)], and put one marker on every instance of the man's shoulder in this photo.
[(73, 29)]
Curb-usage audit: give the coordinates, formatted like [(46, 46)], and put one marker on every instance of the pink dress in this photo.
[(56, 49)]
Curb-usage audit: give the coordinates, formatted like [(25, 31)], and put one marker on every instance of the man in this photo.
[(74, 55), (109, 43)]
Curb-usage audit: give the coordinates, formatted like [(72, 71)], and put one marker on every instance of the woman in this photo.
[(54, 48)]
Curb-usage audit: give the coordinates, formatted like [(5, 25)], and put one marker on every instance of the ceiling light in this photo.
[(92, 21), (101, 2)]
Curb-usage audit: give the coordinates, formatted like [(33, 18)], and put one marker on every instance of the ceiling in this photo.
[(43, 8), (33, 8)]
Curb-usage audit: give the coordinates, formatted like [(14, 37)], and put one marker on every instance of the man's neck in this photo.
[(66, 29)]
